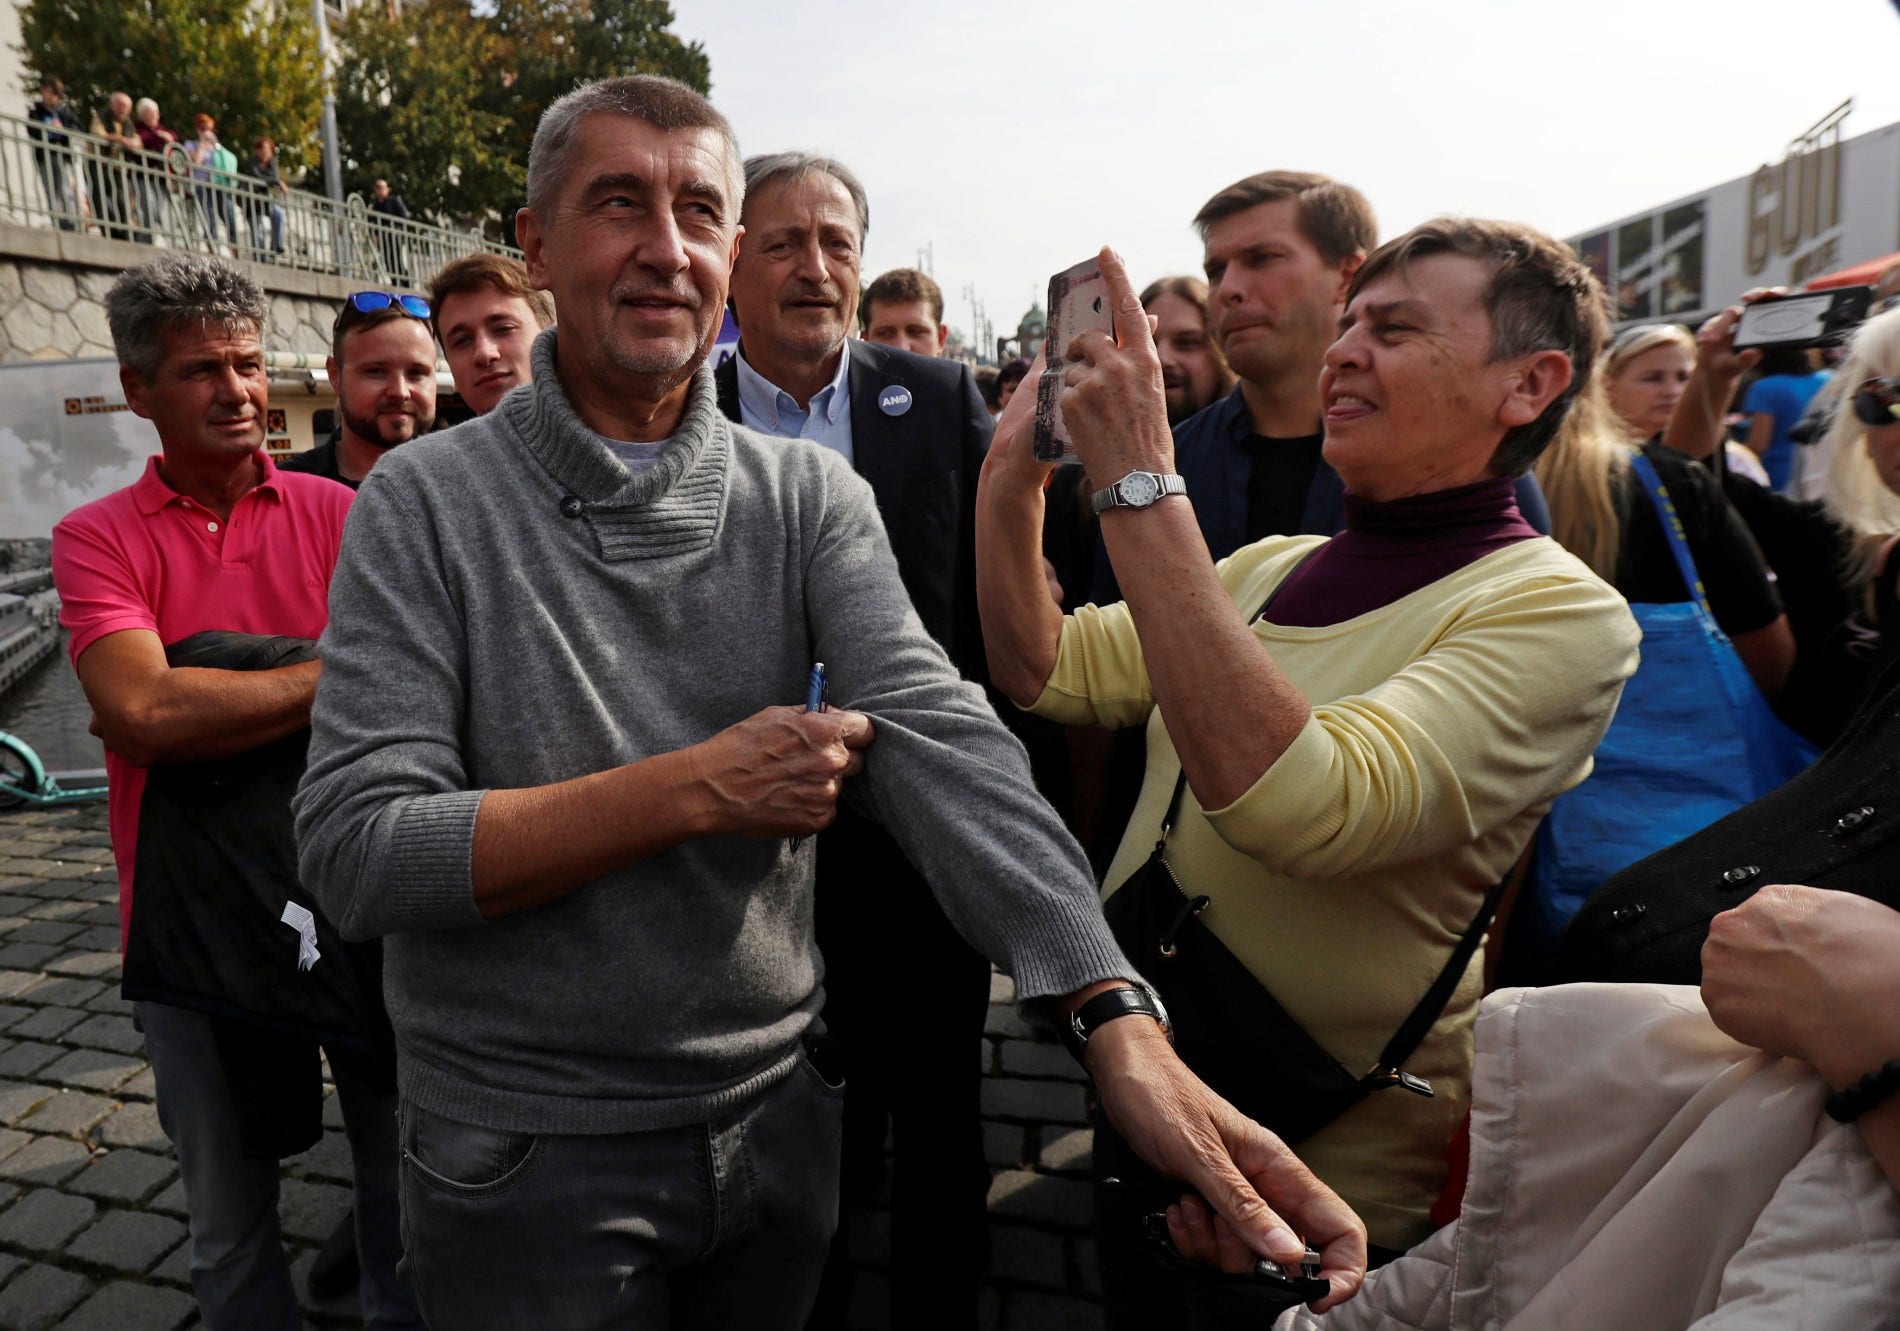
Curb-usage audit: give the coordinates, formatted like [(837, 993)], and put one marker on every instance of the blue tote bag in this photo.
[(1692, 741)]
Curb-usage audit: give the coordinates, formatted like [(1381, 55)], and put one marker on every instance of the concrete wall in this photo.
[(53, 285)]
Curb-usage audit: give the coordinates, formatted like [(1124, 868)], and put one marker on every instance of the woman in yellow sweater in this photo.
[(1367, 759)]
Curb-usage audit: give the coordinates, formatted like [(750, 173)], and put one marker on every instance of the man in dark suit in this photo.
[(916, 429)]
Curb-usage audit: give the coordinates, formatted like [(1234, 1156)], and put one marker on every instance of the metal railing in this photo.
[(53, 177)]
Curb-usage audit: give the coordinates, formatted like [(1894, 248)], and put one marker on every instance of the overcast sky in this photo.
[(1014, 139)]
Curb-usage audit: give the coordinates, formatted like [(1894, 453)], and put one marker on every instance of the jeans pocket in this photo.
[(821, 1062), (464, 1160)]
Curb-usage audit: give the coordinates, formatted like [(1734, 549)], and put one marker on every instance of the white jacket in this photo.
[(1634, 1169)]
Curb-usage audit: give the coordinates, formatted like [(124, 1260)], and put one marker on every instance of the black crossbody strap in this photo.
[(1180, 782), (1418, 1024), (1412, 1032)]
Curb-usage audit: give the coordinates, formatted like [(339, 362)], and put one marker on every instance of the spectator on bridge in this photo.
[(153, 136), (155, 140), (52, 151), (214, 167), (389, 204), (261, 170), (111, 193)]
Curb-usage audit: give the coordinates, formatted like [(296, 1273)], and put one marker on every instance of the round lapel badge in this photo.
[(894, 401)]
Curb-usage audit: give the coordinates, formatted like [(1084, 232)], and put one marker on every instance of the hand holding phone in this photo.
[(1078, 303), (1806, 319)]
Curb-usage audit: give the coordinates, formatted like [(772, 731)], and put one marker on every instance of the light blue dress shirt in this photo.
[(769, 409)]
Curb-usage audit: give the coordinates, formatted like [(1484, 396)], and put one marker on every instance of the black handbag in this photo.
[(1229, 1028)]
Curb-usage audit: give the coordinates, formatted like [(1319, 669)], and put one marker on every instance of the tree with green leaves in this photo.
[(552, 46), (255, 69), (411, 107)]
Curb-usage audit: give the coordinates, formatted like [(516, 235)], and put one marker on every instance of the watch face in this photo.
[(1139, 489)]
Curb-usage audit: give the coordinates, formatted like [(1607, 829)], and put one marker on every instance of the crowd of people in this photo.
[(115, 181), (664, 788)]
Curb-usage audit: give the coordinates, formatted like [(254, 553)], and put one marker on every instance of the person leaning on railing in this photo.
[(260, 169), (52, 150), (154, 141), (106, 172)]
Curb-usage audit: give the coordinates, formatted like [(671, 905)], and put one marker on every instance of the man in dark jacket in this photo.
[(391, 205), (52, 160), (261, 169)]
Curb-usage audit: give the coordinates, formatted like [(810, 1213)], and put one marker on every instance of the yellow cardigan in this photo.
[(1443, 725)]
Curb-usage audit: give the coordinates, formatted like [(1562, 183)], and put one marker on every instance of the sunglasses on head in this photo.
[(1877, 402), (368, 302)]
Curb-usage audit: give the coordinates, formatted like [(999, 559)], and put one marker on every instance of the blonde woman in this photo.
[(1600, 514), (1647, 371), (1862, 451)]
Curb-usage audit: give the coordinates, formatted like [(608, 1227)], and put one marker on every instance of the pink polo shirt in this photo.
[(146, 557)]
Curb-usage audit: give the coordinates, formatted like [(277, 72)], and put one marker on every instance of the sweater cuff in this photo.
[(1290, 808), (430, 873), (1063, 948)]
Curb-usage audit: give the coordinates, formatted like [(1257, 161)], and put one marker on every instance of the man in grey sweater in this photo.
[(555, 763)]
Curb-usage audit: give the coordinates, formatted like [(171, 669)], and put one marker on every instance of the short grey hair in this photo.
[(666, 104), (178, 290), (138, 107), (793, 167)]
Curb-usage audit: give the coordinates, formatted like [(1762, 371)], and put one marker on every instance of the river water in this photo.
[(48, 710)]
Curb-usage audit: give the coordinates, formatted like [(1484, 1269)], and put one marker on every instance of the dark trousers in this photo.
[(109, 188), (906, 999), (716, 1226), (239, 1271)]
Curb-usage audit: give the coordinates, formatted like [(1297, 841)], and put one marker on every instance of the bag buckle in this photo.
[(1167, 947), (1383, 1078)]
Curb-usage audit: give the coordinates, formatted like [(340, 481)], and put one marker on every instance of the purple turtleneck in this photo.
[(1391, 550)]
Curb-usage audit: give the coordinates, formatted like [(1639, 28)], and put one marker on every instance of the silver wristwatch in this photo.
[(1137, 489)]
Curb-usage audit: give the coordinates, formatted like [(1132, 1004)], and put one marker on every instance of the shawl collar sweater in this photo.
[(513, 608)]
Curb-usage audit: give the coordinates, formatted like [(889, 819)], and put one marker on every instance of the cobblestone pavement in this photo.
[(92, 1234)]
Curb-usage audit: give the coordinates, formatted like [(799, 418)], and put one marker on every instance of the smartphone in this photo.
[(1078, 302), (1814, 319)]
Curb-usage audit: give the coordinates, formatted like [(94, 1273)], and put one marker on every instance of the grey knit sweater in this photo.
[(480, 637)]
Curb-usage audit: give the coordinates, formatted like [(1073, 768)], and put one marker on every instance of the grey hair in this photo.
[(666, 104), (138, 107), (792, 167), (178, 290)]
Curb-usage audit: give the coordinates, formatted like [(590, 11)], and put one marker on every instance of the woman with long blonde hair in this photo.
[(1862, 455), (1600, 514)]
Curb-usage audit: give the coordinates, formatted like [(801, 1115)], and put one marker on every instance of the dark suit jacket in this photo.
[(922, 466)]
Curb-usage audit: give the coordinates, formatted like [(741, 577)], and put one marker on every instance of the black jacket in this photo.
[(922, 466), (1837, 825), (215, 864)]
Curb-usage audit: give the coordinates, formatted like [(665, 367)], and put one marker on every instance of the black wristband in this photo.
[(1106, 1007), (1847, 1105)]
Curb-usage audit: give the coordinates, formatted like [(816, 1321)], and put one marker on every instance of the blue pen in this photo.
[(815, 690)]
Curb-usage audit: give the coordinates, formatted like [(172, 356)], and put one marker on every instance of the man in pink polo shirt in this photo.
[(212, 537)]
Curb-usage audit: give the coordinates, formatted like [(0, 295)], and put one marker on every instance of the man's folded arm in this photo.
[(146, 711), (149, 712)]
